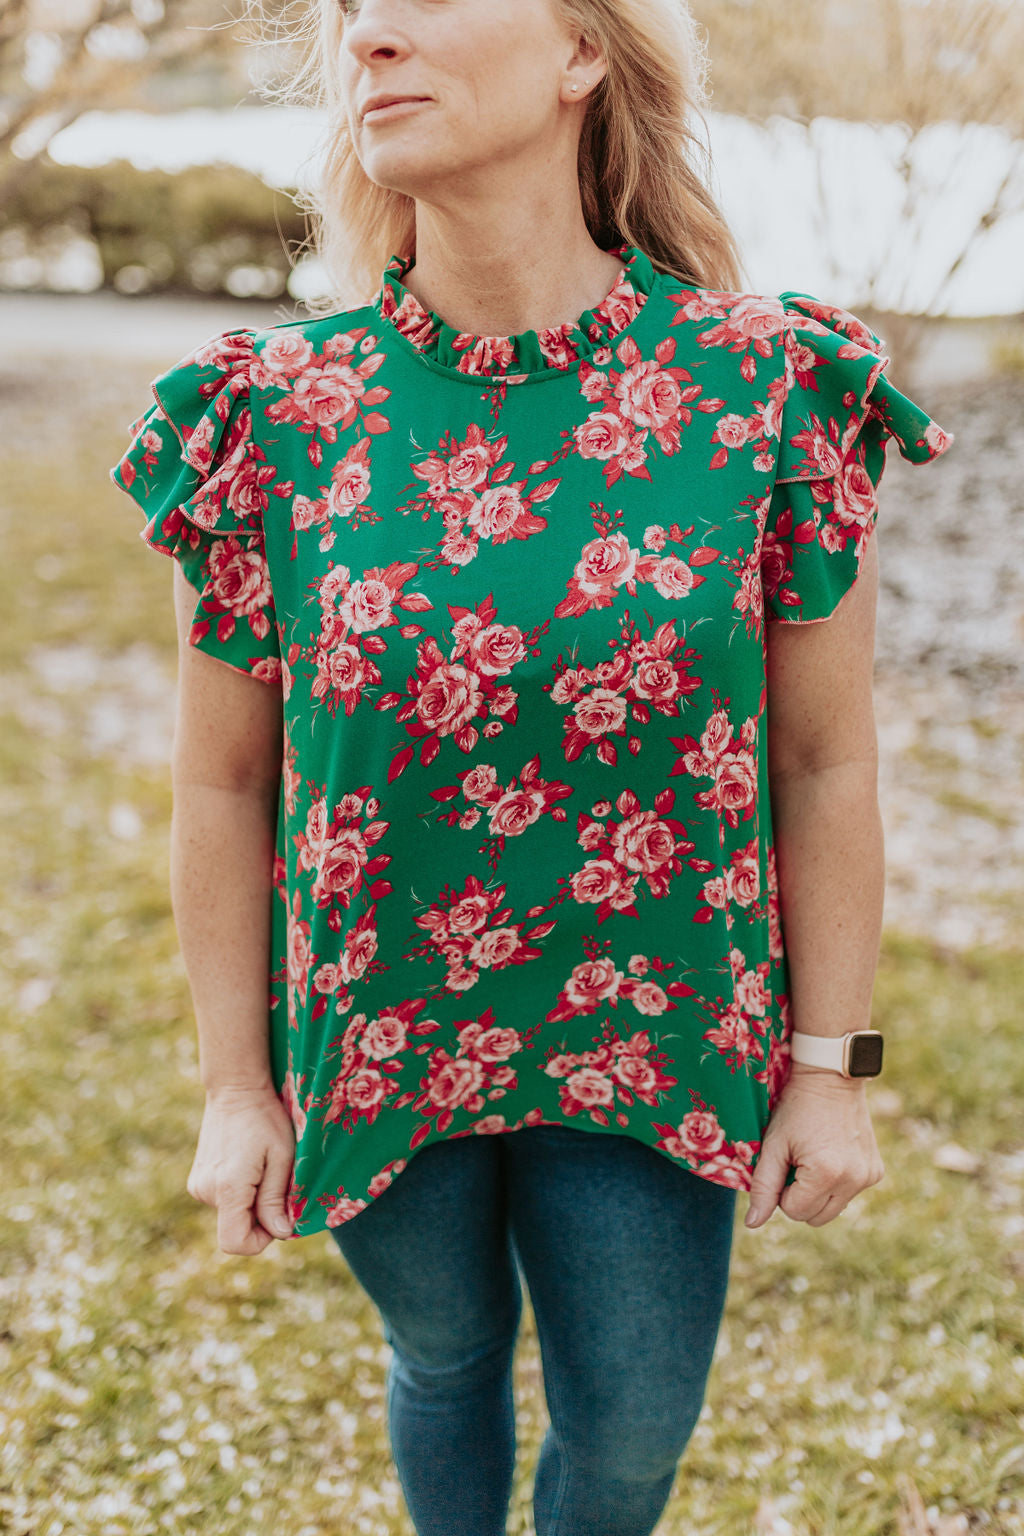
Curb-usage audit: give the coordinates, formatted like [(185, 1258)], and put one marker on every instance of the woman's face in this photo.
[(494, 74)]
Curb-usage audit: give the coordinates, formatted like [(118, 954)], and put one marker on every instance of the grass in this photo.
[(869, 1376), (1007, 355), (969, 805)]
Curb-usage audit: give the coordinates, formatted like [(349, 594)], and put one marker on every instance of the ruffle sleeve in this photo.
[(837, 414), (195, 471)]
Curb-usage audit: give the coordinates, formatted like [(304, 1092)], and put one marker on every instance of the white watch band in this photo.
[(818, 1050)]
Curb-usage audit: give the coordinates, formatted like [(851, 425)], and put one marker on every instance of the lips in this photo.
[(393, 101)]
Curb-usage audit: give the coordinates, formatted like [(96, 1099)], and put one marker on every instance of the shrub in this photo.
[(158, 231)]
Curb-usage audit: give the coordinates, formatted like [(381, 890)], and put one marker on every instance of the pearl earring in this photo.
[(575, 87)]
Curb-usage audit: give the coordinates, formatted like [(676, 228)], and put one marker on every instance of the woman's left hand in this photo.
[(821, 1124)]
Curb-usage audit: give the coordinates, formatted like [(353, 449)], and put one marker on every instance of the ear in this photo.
[(587, 64), (589, 58)]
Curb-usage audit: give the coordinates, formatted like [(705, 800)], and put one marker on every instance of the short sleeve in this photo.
[(200, 480), (836, 415)]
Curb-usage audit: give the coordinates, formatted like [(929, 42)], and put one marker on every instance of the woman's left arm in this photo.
[(830, 862)]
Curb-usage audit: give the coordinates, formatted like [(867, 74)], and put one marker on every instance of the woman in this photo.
[(530, 746)]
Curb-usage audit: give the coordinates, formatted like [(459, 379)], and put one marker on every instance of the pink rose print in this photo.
[(336, 847), (753, 567), (233, 490), (776, 1070), (352, 612), (296, 1106), (700, 1142), (597, 982), (475, 496), (621, 1070), (609, 562), (739, 885), (340, 1207), (740, 1023), (446, 694), (729, 760), (750, 322), (472, 931), (371, 1052), (299, 958), (510, 809), (357, 960), (324, 393), (775, 943), (645, 401), (478, 1072), (820, 441), (291, 778), (641, 677), (345, 497), (776, 551), (238, 588), (282, 359), (644, 845)]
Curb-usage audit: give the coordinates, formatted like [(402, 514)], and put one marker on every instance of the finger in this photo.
[(834, 1206), (769, 1178), (809, 1192), (237, 1232), (235, 1220), (271, 1200)]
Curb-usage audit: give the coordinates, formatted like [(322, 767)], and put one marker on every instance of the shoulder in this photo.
[(768, 322), (280, 353), (244, 358)]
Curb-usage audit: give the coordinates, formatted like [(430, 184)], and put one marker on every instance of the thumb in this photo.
[(273, 1193), (767, 1182)]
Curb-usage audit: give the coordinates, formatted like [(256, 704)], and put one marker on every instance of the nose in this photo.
[(371, 37)]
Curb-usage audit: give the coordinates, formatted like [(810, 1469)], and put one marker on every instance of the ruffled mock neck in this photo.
[(559, 348)]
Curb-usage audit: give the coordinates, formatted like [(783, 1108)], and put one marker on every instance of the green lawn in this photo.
[(869, 1379)]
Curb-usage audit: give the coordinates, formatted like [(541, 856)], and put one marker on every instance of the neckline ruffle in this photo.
[(555, 349)]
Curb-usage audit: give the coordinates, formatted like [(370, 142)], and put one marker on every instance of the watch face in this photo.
[(865, 1055)]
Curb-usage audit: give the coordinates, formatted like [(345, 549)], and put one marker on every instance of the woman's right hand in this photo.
[(243, 1166)]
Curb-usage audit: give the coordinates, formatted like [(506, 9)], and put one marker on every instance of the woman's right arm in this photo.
[(226, 771)]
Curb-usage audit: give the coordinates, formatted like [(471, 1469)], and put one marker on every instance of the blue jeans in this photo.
[(625, 1255)]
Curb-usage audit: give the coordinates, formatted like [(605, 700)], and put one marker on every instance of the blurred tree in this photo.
[(914, 64), (163, 232), (59, 58), (909, 61)]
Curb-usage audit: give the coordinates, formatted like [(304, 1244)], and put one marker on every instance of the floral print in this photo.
[(514, 592)]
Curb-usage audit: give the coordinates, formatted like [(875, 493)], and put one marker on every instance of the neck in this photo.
[(515, 275)]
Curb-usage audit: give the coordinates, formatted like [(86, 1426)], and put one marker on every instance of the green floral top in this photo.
[(513, 590)]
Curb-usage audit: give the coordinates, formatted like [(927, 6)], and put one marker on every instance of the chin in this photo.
[(414, 175)]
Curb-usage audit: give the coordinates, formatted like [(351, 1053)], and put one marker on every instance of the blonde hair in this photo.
[(638, 184)]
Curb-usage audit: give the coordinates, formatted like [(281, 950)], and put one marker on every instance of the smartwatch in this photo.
[(856, 1054)]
